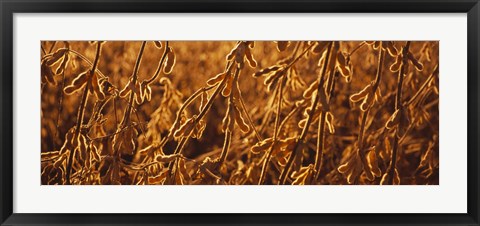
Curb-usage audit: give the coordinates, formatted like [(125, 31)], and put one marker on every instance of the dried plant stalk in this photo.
[(173, 112)]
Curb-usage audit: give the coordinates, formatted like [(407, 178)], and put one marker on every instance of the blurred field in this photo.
[(232, 113)]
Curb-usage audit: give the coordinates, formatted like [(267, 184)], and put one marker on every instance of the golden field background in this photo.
[(174, 127)]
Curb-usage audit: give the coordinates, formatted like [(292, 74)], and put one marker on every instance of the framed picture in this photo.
[(240, 113)]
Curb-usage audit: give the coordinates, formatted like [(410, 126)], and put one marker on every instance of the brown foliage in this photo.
[(234, 113)]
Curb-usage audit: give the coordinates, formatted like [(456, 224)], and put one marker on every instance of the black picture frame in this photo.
[(9, 7)]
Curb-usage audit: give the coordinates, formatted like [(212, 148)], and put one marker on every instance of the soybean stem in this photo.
[(81, 111), (128, 111), (398, 107), (275, 132), (303, 135)]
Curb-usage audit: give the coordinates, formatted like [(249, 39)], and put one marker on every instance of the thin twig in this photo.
[(249, 119), (398, 107), (52, 46), (128, 111), (357, 48), (423, 87), (81, 111), (60, 102), (275, 132), (303, 135)]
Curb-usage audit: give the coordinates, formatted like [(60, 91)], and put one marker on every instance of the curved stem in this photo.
[(294, 110), (81, 111), (321, 127), (299, 56), (188, 102), (52, 46), (228, 132), (209, 104), (360, 141), (295, 59), (159, 68), (362, 131), (86, 61), (275, 132), (303, 135), (320, 146), (225, 148), (423, 87), (43, 50), (128, 111), (60, 103), (357, 48), (381, 57), (266, 118), (179, 112), (259, 138), (399, 107)]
